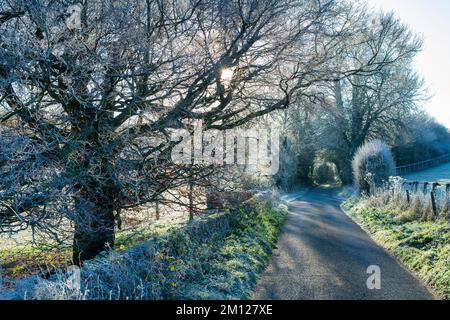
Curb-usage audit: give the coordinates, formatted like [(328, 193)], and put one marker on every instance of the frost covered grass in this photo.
[(214, 257), (21, 261), (423, 245)]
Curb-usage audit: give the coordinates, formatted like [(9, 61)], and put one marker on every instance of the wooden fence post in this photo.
[(433, 203), (433, 191), (412, 187), (435, 185), (447, 198), (425, 187)]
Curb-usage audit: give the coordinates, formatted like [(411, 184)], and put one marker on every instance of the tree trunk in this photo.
[(345, 171), (95, 220), (157, 210), (94, 233), (191, 200)]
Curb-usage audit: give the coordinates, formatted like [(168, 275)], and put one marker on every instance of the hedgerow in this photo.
[(214, 257)]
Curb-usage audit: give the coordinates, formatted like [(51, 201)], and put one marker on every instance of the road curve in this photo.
[(322, 254)]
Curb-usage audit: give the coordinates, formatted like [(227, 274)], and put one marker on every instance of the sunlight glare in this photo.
[(227, 75)]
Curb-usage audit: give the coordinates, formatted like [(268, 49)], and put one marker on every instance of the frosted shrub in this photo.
[(372, 165)]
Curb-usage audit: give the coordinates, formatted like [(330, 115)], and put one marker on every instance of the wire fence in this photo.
[(418, 166)]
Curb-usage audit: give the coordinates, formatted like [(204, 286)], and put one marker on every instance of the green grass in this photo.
[(22, 261), (423, 246)]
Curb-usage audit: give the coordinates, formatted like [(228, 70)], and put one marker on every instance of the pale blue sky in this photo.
[(431, 19)]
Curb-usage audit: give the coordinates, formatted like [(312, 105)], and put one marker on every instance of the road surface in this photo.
[(322, 254)]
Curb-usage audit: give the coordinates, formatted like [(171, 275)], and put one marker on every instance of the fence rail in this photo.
[(418, 166)]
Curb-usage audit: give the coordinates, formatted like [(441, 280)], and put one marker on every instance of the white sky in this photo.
[(430, 19)]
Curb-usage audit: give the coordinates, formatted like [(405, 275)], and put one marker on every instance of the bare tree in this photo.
[(88, 106), (92, 105)]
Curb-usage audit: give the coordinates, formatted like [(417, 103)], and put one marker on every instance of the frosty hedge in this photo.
[(215, 257)]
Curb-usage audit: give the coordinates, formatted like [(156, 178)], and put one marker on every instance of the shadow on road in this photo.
[(322, 254)]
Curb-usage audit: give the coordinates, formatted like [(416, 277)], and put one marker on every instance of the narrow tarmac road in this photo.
[(322, 254)]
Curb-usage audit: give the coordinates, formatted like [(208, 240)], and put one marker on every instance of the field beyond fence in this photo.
[(423, 165)]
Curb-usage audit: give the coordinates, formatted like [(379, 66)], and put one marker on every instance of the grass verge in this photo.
[(26, 260), (423, 246), (214, 257)]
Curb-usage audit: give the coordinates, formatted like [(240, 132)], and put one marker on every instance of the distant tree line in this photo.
[(343, 114), (421, 139)]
